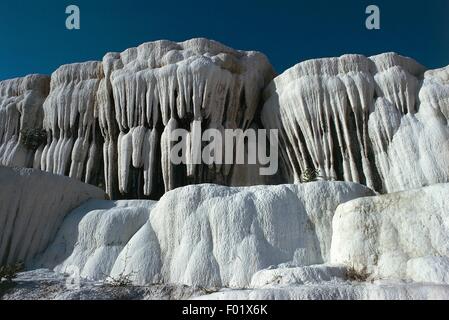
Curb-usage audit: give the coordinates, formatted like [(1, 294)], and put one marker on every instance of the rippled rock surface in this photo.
[(380, 121)]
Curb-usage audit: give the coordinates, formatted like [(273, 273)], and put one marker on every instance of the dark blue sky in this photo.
[(34, 38)]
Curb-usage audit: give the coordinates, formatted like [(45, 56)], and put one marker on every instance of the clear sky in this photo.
[(34, 38)]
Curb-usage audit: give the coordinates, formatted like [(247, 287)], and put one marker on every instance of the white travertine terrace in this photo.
[(163, 85), (380, 121), (21, 102), (33, 205), (69, 119), (205, 235), (413, 150), (116, 115), (265, 241), (403, 235)]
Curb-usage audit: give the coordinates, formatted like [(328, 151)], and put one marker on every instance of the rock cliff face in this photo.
[(33, 205), (380, 121), (277, 242), (108, 123), (21, 102), (378, 124), (389, 236), (74, 140)]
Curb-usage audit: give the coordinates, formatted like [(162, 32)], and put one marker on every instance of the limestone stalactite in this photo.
[(380, 121), (163, 85), (21, 102), (73, 145), (108, 123)]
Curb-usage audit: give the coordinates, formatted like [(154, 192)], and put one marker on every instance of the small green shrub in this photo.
[(209, 290), (121, 281), (309, 175), (354, 275), (32, 138)]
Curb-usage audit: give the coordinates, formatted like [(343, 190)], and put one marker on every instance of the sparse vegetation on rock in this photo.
[(356, 275), (310, 175), (9, 272), (32, 138)]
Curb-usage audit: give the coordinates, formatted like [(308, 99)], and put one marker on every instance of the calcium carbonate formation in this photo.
[(401, 235), (108, 123), (21, 102), (207, 235), (270, 242), (33, 205), (380, 121)]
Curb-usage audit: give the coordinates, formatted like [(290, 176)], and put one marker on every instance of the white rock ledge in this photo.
[(205, 235), (33, 205), (384, 235)]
